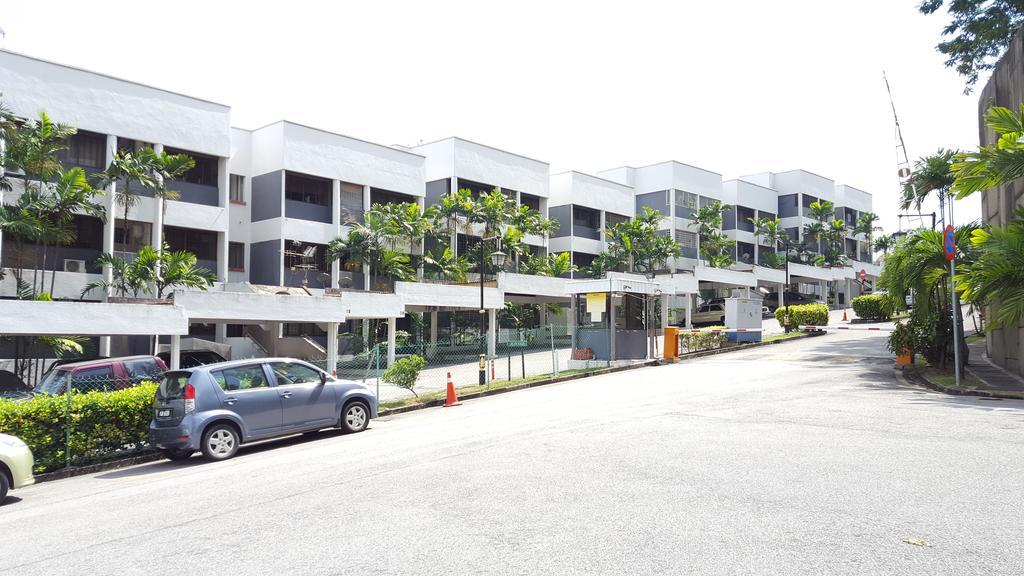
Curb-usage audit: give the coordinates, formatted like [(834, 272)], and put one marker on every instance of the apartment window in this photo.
[(686, 200), (308, 190), (300, 255), (686, 239), (202, 243), (530, 201), (236, 256), (611, 219), (585, 217), (299, 330), (237, 186), (203, 173), (85, 149), (351, 203), (378, 196)]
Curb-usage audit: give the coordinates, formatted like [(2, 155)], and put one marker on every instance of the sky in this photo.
[(736, 87)]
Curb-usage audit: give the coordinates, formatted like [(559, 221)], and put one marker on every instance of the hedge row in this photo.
[(813, 314), (873, 307), (102, 425), (697, 341)]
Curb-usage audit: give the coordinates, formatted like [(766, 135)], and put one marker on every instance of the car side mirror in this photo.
[(323, 378)]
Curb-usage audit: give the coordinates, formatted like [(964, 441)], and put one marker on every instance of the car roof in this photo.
[(247, 361), (101, 362)]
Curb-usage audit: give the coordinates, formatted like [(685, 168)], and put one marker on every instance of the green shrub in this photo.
[(812, 314), (901, 339), (102, 424), (697, 341), (404, 372), (872, 307)]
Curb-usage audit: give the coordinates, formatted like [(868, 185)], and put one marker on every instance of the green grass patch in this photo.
[(974, 338), (427, 397), (947, 378), (783, 336)]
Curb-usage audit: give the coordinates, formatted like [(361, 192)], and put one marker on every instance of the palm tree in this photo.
[(715, 247), (997, 163), (917, 266), (559, 265), (821, 212), (444, 265), (177, 268), (127, 168), (884, 243), (996, 279), (70, 195), (932, 175), (445, 215), (836, 236), (127, 277)]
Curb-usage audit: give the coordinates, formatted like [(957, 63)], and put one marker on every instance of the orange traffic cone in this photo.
[(844, 315), (452, 399)]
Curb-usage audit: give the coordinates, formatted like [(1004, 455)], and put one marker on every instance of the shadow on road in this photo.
[(244, 451), (10, 501)]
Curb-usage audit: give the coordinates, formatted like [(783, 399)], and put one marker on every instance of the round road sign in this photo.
[(949, 242)]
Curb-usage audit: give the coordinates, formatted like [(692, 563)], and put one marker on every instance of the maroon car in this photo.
[(104, 374)]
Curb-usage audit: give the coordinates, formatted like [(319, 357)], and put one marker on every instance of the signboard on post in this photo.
[(949, 242)]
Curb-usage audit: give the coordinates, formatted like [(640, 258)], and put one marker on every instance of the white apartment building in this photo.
[(261, 206)]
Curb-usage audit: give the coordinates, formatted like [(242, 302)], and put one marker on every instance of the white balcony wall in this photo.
[(804, 182), (458, 158), (850, 197), (108, 105), (592, 192)]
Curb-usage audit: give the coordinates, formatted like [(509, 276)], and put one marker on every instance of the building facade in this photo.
[(261, 206)]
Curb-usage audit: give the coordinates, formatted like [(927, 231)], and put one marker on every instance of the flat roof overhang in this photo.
[(725, 276), (38, 318), (532, 285), (448, 296), (250, 307)]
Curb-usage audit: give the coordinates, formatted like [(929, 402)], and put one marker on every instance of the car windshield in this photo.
[(53, 383), (172, 385)]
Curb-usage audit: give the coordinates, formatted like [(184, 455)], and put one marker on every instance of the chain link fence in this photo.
[(517, 354), (76, 420)]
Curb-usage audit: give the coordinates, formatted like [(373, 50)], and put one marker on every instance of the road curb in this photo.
[(915, 377), (149, 456)]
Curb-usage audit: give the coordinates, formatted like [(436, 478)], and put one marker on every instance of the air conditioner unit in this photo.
[(74, 265)]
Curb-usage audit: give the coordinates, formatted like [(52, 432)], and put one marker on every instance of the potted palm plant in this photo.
[(901, 343)]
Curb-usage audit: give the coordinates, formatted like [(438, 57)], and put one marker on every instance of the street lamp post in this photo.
[(782, 293), (498, 259)]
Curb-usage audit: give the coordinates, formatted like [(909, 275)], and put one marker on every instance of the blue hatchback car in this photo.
[(217, 407)]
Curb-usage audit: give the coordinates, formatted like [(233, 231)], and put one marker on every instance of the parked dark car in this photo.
[(63, 361), (12, 387), (217, 407), (794, 298), (192, 358), (104, 375)]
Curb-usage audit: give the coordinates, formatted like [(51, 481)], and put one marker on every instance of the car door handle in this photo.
[(286, 394), (230, 400)]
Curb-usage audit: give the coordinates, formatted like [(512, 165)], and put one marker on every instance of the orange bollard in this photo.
[(452, 398), (844, 315)]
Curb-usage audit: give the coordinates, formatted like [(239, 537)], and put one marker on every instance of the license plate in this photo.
[(163, 413)]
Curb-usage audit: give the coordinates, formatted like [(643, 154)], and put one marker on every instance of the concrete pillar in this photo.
[(673, 265), (224, 192), (422, 203), (492, 332), (110, 205), (433, 332), (220, 332), (366, 269), (175, 352), (392, 326), (453, 189), (336, 221), (782, 294), (688, 310), (664, 311), (3, 149), (157, 235), (332, 348), (570, 319)]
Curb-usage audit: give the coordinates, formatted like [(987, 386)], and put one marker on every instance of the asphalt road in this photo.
[(808, 457)]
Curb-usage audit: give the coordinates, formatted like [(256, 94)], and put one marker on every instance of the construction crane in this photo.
[(903, 169)]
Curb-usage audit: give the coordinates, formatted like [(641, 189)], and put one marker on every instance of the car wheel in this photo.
[(721, 321), (177, 454), (355, 416), (3, 487), (220, 442)]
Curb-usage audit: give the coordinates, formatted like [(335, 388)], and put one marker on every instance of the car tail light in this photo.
[(190, 398)]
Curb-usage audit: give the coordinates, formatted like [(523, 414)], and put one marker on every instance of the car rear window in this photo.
[(142, 369), (172, 385)]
